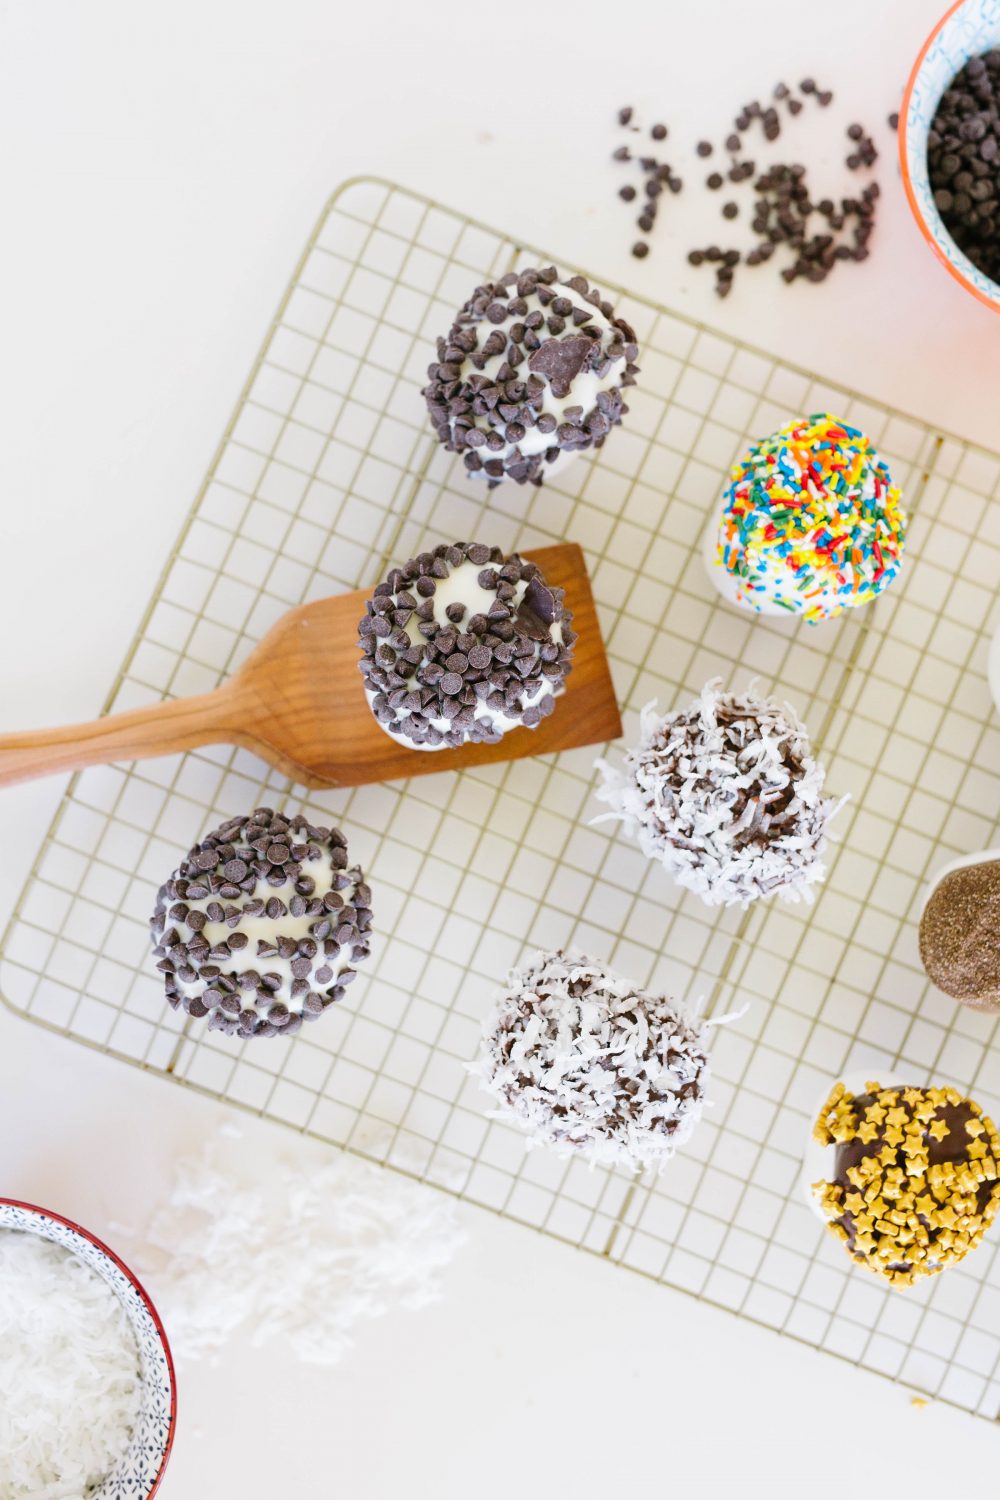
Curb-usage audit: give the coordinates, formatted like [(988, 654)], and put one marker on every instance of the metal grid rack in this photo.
[(325, 474)]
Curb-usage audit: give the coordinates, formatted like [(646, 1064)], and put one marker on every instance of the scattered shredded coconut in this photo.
[(585, 1062), (70, 1385), (727, 796), (300, 1254)]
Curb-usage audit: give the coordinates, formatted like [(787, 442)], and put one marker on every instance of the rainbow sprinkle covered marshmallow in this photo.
[(811, 523)]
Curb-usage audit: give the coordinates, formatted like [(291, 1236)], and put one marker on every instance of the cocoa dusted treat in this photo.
[(261, 924), (915, 1181), (463, 644), (584, 1061), (960, 934), (533, 368)]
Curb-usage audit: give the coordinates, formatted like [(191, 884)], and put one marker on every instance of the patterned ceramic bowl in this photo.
[(970, 28), (138, 1472)]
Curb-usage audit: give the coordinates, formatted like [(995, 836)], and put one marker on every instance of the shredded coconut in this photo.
[(70, 1386), (727, 796), (584, 1061), (303, 1255)]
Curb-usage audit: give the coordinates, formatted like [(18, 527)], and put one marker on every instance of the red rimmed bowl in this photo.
[(967, 30), (138, 1472)]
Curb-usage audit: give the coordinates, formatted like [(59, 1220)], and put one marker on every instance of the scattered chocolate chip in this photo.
[(659, 132), (782, 208)]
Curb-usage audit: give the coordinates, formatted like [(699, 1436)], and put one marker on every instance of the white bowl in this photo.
[(138, 1472)]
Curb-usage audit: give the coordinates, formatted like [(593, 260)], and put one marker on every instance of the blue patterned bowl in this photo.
[(970, 28), (138, 1472)]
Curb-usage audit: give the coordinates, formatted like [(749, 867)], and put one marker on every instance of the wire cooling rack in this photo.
[(327, 473)]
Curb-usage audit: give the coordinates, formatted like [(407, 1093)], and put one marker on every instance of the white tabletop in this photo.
[(169, 163)]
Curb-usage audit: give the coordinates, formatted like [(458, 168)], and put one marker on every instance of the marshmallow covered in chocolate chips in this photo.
[(462, 644), (533, 367), (260, 926)]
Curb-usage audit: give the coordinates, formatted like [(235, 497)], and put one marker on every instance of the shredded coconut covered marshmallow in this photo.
[(584, 1061), (727, 796)]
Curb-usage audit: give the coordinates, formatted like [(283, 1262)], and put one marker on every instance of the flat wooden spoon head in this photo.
[(299, 702), (306, 710)]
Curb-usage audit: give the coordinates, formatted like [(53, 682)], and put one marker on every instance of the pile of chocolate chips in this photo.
[(499, 658), (224, 871), (817, 232), (963, 160)]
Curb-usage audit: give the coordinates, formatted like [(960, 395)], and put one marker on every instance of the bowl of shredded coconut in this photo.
[(87, 1393)]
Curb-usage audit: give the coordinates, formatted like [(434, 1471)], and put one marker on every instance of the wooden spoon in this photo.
[(299, 703)]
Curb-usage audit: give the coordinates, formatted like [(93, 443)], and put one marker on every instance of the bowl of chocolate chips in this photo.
[(949, 145)]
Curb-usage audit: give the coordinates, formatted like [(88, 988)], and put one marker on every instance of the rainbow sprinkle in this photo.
[(812, 522)]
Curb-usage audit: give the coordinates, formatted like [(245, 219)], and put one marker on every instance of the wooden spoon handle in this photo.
[(157, 729)]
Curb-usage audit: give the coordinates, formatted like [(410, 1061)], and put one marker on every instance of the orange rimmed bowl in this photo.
[(969, 29)]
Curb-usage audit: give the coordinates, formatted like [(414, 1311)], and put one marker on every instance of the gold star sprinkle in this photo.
[(898, 1210)]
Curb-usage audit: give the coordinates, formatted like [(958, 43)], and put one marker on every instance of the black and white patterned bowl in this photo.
[(138, 1472)]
